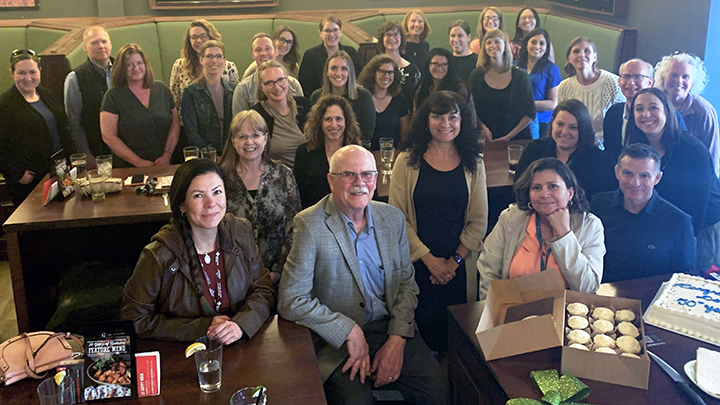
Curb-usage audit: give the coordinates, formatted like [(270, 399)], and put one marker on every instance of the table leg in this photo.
[(18, 282)]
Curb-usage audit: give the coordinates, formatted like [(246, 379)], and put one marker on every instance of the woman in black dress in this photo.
[(392, 109), (33, 126), (439, 184), (417, 30), (441, 73)]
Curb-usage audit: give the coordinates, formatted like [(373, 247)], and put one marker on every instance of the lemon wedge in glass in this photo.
[(195, 347), (59, 377)]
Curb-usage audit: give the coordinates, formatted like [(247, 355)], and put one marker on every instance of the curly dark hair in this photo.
[(544, 60), (184, 175), (367, 76), (467, 142), (313, 124), (522, 187), (672, 130)]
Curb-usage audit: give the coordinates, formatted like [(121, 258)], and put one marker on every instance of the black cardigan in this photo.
[(25, 140)]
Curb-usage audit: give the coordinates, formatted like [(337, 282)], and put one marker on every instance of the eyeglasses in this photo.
[(532, 17), (636, 78), (329, 31), (439, 65), (394, 34), (284, 41), (351, 177), (211, 56), (493, 18), (201, 36), (271, 83), (383, 72), (254, 136)]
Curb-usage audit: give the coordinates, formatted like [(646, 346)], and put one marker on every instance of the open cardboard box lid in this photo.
[(609, 368), (503, 329)]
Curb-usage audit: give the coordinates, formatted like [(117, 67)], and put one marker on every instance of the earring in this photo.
[(570, 204), (530, 205)]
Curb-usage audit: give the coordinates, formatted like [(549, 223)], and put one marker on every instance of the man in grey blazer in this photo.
[(349, 278)]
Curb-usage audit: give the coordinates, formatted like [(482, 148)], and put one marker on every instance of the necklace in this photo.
[(217, 292), (383, 97)]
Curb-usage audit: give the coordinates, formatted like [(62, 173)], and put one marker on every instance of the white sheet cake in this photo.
[(689, 306)]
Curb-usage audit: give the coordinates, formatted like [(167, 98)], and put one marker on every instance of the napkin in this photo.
[(707, 370)]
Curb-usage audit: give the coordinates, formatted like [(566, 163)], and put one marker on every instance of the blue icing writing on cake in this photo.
[(688, 305)]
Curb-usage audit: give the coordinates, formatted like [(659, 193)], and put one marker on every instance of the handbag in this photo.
[(32, 354)]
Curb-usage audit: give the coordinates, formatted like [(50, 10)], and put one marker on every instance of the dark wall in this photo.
[(662, 26)]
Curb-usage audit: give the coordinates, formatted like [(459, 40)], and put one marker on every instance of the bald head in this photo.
[(635, 75), (349, 152), (352, 179)]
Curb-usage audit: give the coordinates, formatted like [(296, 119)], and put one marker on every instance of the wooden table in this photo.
[(476, 381), (43, 241), (280, 357)]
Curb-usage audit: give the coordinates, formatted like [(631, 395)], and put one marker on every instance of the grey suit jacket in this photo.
[(322, 286)]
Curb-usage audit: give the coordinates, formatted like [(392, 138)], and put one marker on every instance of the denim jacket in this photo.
[(200, 117)]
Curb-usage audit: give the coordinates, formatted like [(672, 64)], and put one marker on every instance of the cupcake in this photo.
[(603, 326), (628, 329), (579, 347), (605, 350), (577, 322), (624, 315), (577, 309), (603, 313), (628, 344), (604, 341), (578, 336)]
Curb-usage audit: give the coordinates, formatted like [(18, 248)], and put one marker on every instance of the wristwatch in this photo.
[(458, 259)]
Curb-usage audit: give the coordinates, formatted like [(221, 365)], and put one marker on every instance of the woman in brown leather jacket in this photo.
[(201, 274)]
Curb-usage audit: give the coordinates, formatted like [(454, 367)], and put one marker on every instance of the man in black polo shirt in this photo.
[(645, 235), (84, 90)]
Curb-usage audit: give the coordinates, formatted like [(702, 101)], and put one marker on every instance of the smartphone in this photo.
[(137, 180)]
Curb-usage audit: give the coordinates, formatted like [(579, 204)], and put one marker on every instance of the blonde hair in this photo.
[(426, 27), (261, 96), (484, 60), (351, 85)]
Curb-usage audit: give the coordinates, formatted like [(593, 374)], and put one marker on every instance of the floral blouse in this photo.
[(179, 80), (271, 212)]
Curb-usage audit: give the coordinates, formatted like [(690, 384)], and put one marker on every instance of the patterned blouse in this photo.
[(271, 212), (179, 80)]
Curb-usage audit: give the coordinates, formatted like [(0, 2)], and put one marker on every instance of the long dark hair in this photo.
[(522, 187), (518, 31), (451, 82), (586, 134), (369, 72), (313, 124), (672, 131), (184, 175), (293, 56), (544, 60), (467, 142)]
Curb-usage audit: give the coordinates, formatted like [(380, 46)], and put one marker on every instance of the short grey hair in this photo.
[(700, 75)]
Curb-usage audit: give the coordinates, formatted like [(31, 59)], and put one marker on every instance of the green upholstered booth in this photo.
[(14, 38)]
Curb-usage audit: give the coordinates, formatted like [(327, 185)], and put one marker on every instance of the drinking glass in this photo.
[(104, 165), (191, 152), (209, 364), (245, 397), (514, 153), (52, 393), (97, 184), (79, 161), (208, 153), (387, 156)]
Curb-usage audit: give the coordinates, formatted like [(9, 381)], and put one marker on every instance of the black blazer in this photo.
[(25, 140), (313, 65)]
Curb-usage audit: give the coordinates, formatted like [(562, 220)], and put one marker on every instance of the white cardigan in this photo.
[(579, 254)]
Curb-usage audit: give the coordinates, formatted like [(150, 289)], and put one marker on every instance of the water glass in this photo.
[(245, 397), (209, 153), (97, 184), (79, 161), (52, 393), (191, 152), (209, 364), (104, 165), (514, 153)]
